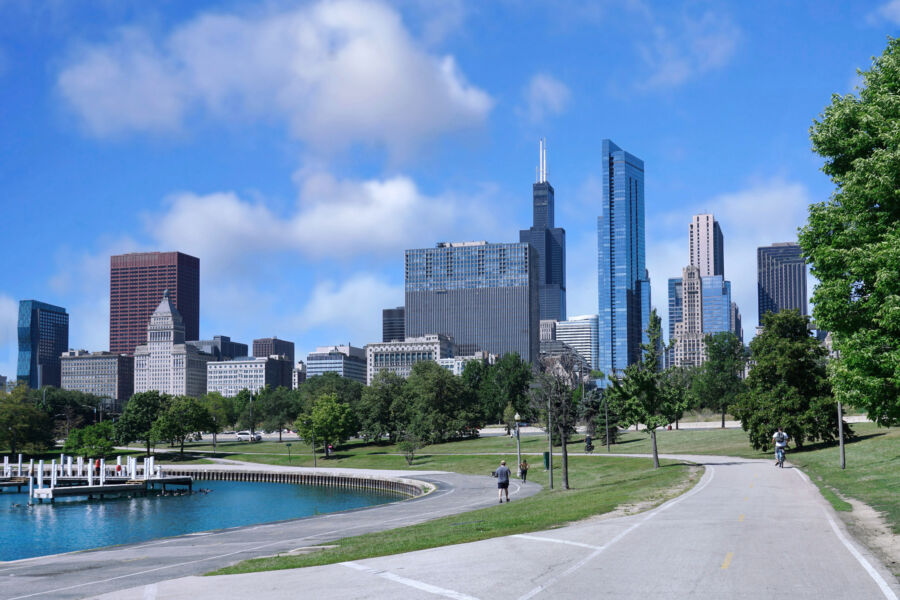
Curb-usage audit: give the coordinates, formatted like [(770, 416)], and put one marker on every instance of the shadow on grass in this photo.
[(832, 444)]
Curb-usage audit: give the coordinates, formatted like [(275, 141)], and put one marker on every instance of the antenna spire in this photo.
[(542, 162)]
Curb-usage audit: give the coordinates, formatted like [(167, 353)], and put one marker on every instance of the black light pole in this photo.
[(518, 447), (841, 434), (550, 440), (288, 444)]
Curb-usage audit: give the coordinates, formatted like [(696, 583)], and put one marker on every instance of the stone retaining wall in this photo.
[(397, 486)]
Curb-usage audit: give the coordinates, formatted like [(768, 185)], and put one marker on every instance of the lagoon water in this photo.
[(78, 524)]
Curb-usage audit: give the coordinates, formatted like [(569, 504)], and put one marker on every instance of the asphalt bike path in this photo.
[(746, 530)]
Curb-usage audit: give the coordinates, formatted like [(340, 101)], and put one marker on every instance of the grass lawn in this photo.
[(598, 486)]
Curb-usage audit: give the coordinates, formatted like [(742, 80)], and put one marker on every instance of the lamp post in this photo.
[(288, 444), (550, 441), (518, 447)]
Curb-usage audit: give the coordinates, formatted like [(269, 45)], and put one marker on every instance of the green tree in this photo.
[(641, 395), (347, 390), (92, 441), (678, 383), (852, 241), (329, 421), (788, 385), (246, 405), (376, 410), (180, 417), (718, 380), (221, 413), (277, 408), (138, 416), (512, 375), (22, 424), (553, 395), (438, 407), (480, 380)]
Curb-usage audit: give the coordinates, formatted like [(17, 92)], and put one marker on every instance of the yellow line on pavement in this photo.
[(751, 485), (727, 562), (741, 518)]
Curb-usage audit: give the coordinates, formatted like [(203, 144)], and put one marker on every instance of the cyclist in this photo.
[(781, 439)]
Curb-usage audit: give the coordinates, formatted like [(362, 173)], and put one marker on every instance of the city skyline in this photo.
[(300, 223)]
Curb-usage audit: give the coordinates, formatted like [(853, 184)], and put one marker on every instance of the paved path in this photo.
[(92, 572), (747, 530)]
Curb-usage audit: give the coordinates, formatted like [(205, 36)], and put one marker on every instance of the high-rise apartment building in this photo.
[(398, 357), (393, 325), (582, 334), (137, 282), (165, 363), (221, 347), (347, 361), (716, 293), (43, 336), (690, 350), (484, 296), (707, 246), (103, 374), (264, 347), (622, 282), (549, 243), (781, 278)]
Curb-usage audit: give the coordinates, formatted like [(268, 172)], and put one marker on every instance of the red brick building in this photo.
[(136, 285)]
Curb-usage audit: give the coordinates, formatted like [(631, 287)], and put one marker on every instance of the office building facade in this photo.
[(43, 331), (103, 374), (393, 324), (582, 334), (736, 326), (781, 278), (548, 329), (229, 377), (137, 282), (484, 296), (716, 294), (298, 374), (264, 347), (221, 347), (707, 245), (622, 282), (549, 243), (398, 357), (690, 349), (165, 363), (347, 361)]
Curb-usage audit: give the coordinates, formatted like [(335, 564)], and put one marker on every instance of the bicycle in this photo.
[(779, 457)]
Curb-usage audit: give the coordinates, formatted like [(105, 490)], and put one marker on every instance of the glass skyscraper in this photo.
[(43, 337), (781, 272), (581, 334), (484, 296), (549, 243), (622, 282), (716, 294)]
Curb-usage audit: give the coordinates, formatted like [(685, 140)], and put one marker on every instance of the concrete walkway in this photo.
[(747, 530), (92, 572)]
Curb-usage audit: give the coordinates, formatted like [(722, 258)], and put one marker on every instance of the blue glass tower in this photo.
[(549, 243), (43, 337), (623, 285), (716, 295)]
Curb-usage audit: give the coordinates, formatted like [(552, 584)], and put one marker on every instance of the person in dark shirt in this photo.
[(502, 474)]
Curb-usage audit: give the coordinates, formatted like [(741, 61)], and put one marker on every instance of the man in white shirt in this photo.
[(781, 439)]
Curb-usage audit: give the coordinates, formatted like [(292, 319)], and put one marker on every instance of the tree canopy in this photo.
[(23, 425), (717, 382), (852, 240), (138, 416)]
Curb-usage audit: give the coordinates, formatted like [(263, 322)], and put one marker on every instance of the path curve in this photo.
[(747, 530), (92, 572)]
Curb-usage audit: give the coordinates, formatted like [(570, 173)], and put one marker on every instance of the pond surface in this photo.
[(78, 524)]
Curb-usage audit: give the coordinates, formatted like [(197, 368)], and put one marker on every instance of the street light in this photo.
[(518, 447), (288, 444)]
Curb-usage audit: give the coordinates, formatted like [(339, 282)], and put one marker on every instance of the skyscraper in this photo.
[(707, 246), (622, 282), (43, 337), (581, 333), (484, 296), (781, 278), (549, 243), (736, 325), (221, 347), (716, 295), (137, 282), (392, 324), (675, 316), (272, 346), (690, 350)]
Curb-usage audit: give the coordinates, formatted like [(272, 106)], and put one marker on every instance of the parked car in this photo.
[(246, 436)]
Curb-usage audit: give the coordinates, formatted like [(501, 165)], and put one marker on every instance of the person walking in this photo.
[(523, 469), (502, 474)]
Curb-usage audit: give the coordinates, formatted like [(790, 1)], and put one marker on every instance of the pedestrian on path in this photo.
[(502, 475), (523, 469)]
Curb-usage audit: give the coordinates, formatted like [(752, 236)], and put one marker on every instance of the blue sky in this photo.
[(297, 148)]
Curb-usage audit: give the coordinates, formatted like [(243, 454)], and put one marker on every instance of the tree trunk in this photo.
[(565, 459), (655, 453), (182, 447), (148, 446), (280, 428), (676, 424), (214, 441), (724, 407)]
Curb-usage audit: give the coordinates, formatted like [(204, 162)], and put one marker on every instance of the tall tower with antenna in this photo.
[(549, 243)]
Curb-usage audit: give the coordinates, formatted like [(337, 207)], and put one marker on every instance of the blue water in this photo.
[(77, 524)]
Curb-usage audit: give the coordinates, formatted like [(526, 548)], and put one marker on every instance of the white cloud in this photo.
[(889, 11), (350, 310), (336, 72), (545, 96), (763, 213), (680, 51)]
